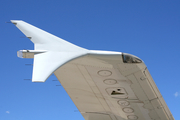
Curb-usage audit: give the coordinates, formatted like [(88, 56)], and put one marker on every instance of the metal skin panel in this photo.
[(90, 87), (103, 85)]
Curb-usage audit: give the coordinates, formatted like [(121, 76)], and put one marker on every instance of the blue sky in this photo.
[(147, 29)]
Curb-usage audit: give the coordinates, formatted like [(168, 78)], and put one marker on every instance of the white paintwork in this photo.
[(100, 84), (58, 51), (98, 52)]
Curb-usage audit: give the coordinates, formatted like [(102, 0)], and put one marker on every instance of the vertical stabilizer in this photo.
[(56, 51)]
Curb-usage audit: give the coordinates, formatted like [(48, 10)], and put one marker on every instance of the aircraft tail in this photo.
[(50, 52)]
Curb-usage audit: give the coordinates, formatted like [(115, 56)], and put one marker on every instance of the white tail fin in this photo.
[(57, 51), (44, 40)]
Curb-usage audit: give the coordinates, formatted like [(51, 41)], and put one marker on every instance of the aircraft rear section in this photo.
[(109, 89), (103, 85)]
